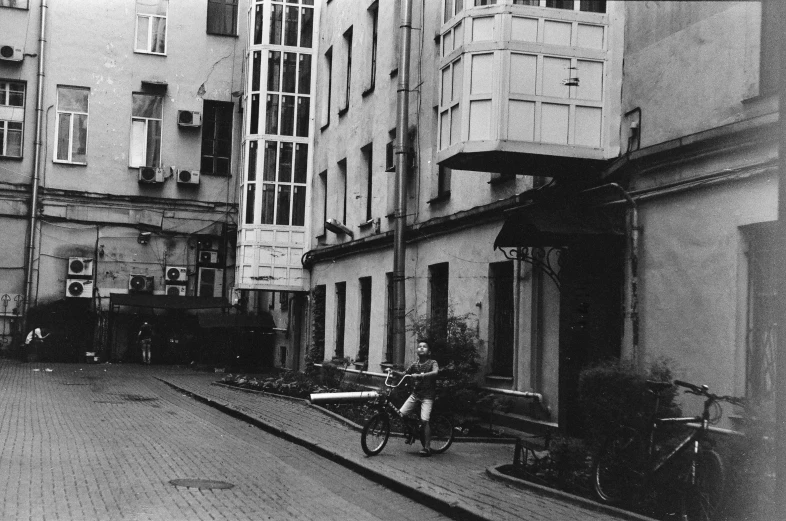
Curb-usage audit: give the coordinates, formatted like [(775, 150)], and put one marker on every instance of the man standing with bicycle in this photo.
[(424, 374)]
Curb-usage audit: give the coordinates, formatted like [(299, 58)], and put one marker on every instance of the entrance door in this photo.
[(590, 319)]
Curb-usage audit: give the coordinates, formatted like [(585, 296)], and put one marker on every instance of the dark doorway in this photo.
[(590, 318)]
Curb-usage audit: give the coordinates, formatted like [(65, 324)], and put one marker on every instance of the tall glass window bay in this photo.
[(71, 131)]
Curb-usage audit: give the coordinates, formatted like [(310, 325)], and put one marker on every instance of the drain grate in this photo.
[(201, 484)]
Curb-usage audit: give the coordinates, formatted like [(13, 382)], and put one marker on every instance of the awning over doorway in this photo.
[(262, 321), (554, 224), (147, 300)]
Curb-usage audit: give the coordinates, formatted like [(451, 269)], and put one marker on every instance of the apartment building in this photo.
[(120, 124)]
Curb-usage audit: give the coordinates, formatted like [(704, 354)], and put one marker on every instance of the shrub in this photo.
[(614, 392)]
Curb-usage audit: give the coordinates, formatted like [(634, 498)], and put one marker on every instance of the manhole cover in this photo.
[(202, 484)]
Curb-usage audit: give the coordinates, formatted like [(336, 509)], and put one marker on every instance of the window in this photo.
[(762, 324), (222, 17), (14, 4), (12, 118), (323, 181), (452, 8), (438, 298), (216, 137), (251, 178), (348, 44), (342, 179), (284, 171), (501, 317), (368, 155), (288, 73), (319, 304), (71, 131), (151, 26), (341, 310), (365, 318), (327, 94), (291, 25), (374, 14), (390, 315), (146, 116), (770, 49), (443, 182)]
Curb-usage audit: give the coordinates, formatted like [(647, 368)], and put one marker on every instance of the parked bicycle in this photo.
[(377, 429), (632, 460)]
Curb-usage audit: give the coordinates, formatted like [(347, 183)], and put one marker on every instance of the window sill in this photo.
[(497, 378), (343, 111), (18, 158), (390, 169), (68, 163), (222, 34), (366, 224), (368, 91), (502, 179), (163, 55), (444, 196)]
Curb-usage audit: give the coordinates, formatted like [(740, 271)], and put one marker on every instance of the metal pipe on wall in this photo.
[(402, 167), (36, 168)]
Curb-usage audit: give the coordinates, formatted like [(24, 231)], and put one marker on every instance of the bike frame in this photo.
[(691, 442), (383, 404)]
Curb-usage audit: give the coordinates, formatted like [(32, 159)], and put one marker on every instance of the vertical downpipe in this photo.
[(36, 169), (402, 166)]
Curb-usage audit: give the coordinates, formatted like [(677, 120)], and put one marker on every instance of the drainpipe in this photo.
[(402, 165), (36, 169), (634, 267)]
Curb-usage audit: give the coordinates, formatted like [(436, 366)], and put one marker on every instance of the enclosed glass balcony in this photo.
[(529, 89)]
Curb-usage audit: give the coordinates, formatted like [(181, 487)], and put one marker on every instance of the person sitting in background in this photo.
[(36, 335)]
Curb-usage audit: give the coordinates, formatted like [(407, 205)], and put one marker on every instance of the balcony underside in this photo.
[(514, 157)]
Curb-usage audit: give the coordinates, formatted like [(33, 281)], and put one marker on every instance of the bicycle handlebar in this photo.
[(390, 372), (704, 391)]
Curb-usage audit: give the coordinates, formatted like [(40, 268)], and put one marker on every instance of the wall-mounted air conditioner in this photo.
[(208, 243), (189, 118), (80, 267), (11, 53), (140, 284), (188, 177), (175, 291), (208, 257), (79, 288), (210, 283), (151, 174), (176, 275)]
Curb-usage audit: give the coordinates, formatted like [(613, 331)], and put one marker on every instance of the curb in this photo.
[(451, 509), (495, 474), (353, 425)]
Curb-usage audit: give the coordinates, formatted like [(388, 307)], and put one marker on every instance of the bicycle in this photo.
[(376, 431), (631, 459)]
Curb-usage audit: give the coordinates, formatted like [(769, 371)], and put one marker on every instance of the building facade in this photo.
[(124, 126)]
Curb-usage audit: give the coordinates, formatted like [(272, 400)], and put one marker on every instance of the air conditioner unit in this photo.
[(188, 177), (210, 283), (189, 118), (208, 257), (151, 174), (79, 288), (140, 284), (176, 275), (11, 53), (175, 291), (80, 267)]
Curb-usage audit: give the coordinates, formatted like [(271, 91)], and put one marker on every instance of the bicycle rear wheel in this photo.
[(618, 470), (701, 501), (375, 434), (441, 433)]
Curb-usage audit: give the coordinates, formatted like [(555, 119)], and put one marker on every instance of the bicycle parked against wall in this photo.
[(632, 461), (377, 429)]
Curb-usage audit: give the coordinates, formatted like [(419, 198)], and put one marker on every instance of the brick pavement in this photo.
[(102, 442), (457, 478)]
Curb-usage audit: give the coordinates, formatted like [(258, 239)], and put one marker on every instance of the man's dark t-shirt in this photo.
[(425, 388)]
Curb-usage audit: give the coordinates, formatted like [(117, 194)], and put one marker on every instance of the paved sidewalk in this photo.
[(461, 481)]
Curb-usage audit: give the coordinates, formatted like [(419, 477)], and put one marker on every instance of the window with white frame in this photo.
[(146, 116), (12, 118), (15, 4), (71, 130), (151, 26)]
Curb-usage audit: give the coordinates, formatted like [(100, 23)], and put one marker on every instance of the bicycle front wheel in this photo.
[(375, 434), (701, 501), (619, 467), (441, 433)]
